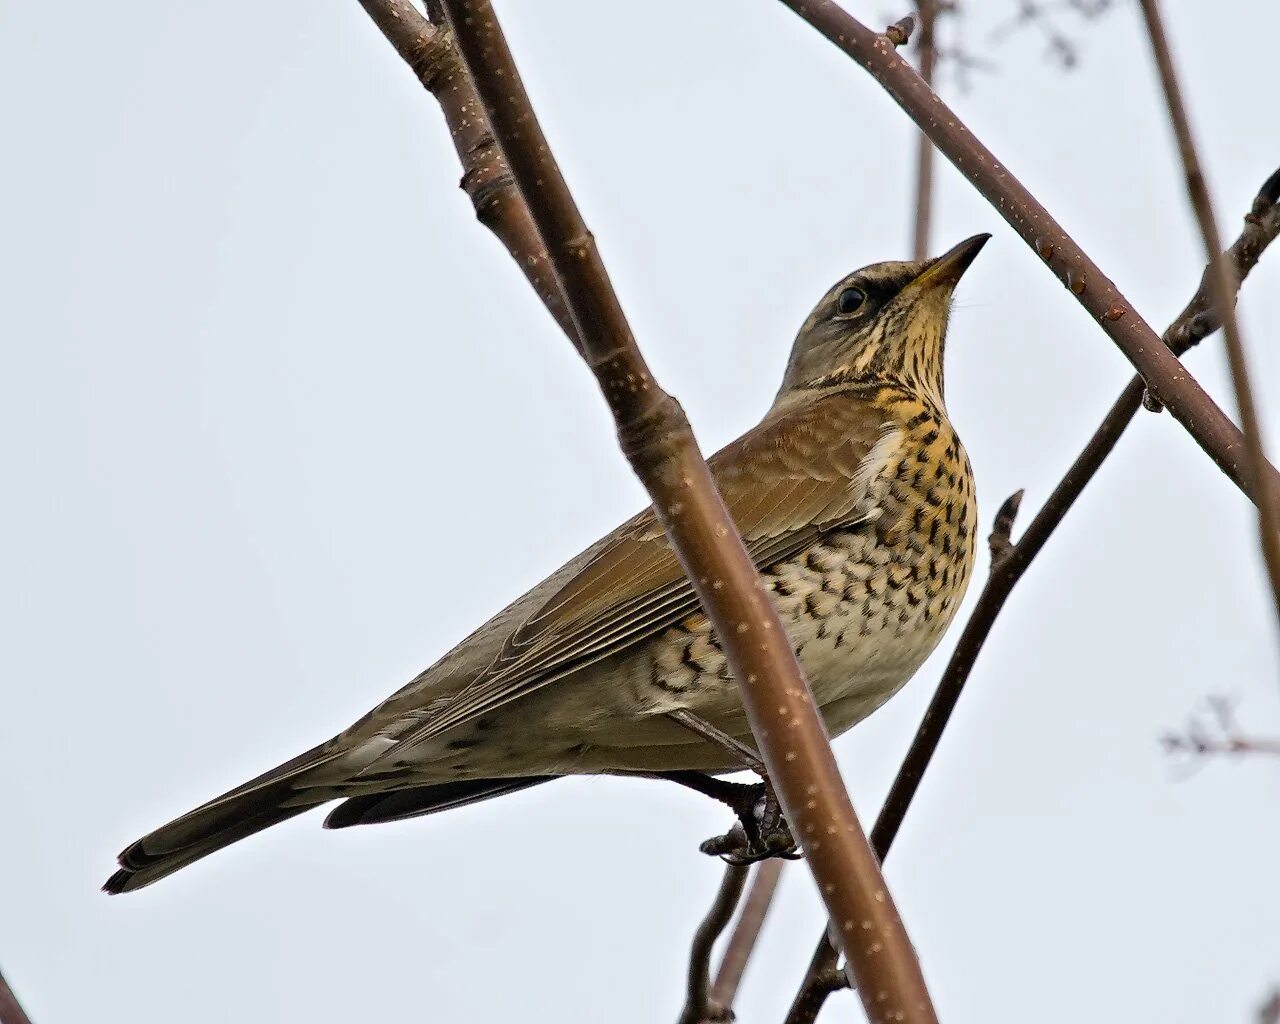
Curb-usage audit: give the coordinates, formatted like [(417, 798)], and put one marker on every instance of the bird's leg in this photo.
[(761, 830), (747, 757)]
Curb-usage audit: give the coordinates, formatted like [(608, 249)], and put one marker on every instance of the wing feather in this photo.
[(784, 482)]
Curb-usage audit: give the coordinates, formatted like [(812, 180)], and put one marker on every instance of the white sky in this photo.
[(279, 424)]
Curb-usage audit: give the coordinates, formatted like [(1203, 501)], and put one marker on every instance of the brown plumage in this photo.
[(856, 501)]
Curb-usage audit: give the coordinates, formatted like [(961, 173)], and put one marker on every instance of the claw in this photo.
[(760, 832)]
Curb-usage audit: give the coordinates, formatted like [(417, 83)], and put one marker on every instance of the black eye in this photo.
[(849, 300)]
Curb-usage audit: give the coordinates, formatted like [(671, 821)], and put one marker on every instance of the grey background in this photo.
[(279, 424)]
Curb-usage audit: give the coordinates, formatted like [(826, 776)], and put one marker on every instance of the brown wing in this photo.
[(785, 481)]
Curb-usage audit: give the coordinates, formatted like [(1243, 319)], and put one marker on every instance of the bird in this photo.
[(853, 496)]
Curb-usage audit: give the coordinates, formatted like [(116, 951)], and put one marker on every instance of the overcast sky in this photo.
[(279, 424)]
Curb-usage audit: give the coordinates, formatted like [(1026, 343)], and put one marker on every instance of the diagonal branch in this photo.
[(1165, 377), (1198, 319), (745, 932), (1223, 736), (1221, 289), (429, 51), (11, 1011), (656, 437)]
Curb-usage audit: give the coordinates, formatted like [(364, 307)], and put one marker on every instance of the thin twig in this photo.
[(1221, 289), (1034, 12), (928, 10), (746, 930), (698, 1005), (655, 435), (822, 979), (11, 1011), (1166, 378), (1198, 319), (1223, 737)]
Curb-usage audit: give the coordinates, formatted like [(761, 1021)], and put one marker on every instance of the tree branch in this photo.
[(429, 51), (928, 10), (1165, 377), (1221, 289), (655, 436), (1198, 319), (1269, 1012), (745, 933), (698, 1004), (11, 1011), (1225, 736)]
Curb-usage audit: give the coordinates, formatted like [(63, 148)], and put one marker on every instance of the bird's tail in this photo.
[(265, 801)]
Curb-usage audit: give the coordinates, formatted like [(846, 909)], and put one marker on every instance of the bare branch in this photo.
[(11, 1011), (1221, 288), (928, 14), (1222, 736), (822, 979), (1198, 319), (656, 438), (745, 933), (1166, 378), (1001, 539), (428, 49), (698, 1005), (1041, 15)]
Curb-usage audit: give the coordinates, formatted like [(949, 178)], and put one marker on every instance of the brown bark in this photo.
[(698, 1007), (746, 930), (1221, 288), (428, 49), (11, 1011), (655, 436), (928, 11)]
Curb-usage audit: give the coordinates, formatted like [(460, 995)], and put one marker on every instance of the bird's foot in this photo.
[(760, 832)]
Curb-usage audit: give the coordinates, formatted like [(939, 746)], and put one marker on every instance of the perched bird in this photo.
[(856, 501)]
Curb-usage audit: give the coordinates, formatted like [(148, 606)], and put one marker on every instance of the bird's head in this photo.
[(886, 320)]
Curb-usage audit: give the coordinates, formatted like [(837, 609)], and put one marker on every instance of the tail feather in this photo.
[(399, 804), (267, 800)]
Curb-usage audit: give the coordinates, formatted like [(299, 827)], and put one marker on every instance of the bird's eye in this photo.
[(849, 300)]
